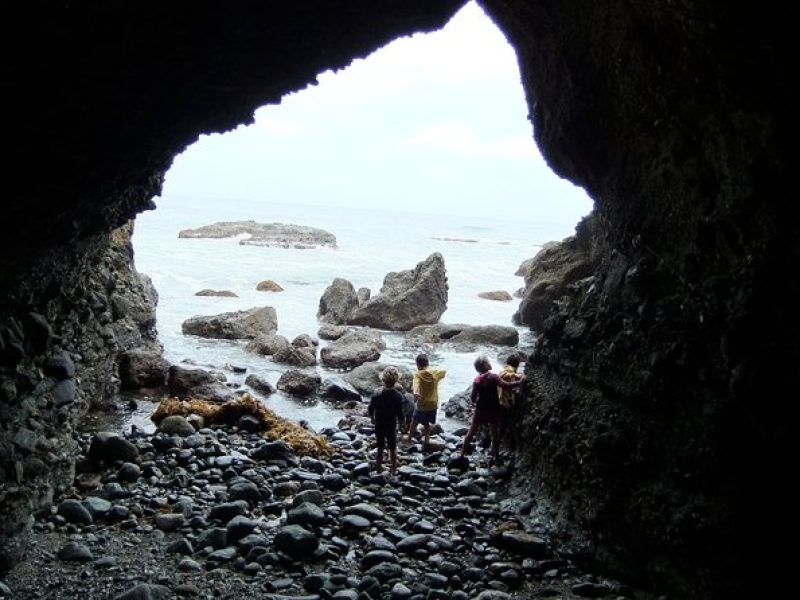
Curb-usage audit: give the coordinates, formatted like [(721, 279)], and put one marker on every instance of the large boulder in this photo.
[(197, 383), (267, 344), (555, 267), (337, 390), (338, 302), (465, 335), (353, 349), (407, 298), (433, 334), (497, 335), (366, 378), (242, 324), (298, 356), (297, 382)]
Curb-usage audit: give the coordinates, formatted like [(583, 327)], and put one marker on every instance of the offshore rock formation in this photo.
[(275, 235), (647, 424)]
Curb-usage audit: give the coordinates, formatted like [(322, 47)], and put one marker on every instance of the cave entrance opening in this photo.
[(424, 146)]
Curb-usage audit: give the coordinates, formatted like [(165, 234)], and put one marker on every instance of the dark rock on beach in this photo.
[(243, 324), (237, 515)]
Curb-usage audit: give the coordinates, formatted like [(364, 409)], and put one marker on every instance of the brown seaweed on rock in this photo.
[(301, 440)]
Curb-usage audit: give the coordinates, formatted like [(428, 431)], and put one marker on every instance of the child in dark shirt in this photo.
[(386, 411), (485, 396)]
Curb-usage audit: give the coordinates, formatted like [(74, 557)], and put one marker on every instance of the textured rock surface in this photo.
[(648, 425), (407, 298), (238, 325), (280, 235), (647, 421), (555, 267), (338, 302), (61, 350)]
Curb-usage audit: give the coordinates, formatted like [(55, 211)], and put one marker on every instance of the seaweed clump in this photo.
[(274, 427)]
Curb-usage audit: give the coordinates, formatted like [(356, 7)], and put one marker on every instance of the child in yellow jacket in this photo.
[(426, 390)]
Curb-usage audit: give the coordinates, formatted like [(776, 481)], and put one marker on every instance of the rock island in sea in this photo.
[(277, 235)]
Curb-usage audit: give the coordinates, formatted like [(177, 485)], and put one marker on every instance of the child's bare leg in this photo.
[(495, 432), (379, 460), (427, 433), (393, 456), (473, 428)]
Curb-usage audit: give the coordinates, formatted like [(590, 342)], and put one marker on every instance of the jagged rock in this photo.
[(220, 293), (352, 349), (299, 383), (407, 298), (363, 294), (276, 235), (268, 286), (366, 378), (337, 303), (242, 324), (459, 406), (553, 269)]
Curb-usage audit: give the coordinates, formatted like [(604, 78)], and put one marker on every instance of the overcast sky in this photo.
[(430, 123)]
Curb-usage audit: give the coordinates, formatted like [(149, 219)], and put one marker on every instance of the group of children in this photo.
[(391, 407)]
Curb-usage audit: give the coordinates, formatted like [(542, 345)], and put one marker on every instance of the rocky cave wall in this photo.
[(649, 425), (98, 99), (656, 419)]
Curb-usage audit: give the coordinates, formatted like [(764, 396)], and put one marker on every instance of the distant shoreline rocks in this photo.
[(462, 240), (273, 235)]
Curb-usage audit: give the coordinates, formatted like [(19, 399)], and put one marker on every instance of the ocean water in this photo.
[(481, 253)]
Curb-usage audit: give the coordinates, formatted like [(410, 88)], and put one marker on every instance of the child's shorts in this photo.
[(386, 438), (425, 417)]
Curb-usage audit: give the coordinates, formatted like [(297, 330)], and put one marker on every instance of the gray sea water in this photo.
[(481, 253)]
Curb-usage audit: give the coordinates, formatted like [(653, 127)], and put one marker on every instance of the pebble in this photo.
[(220, 509)]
